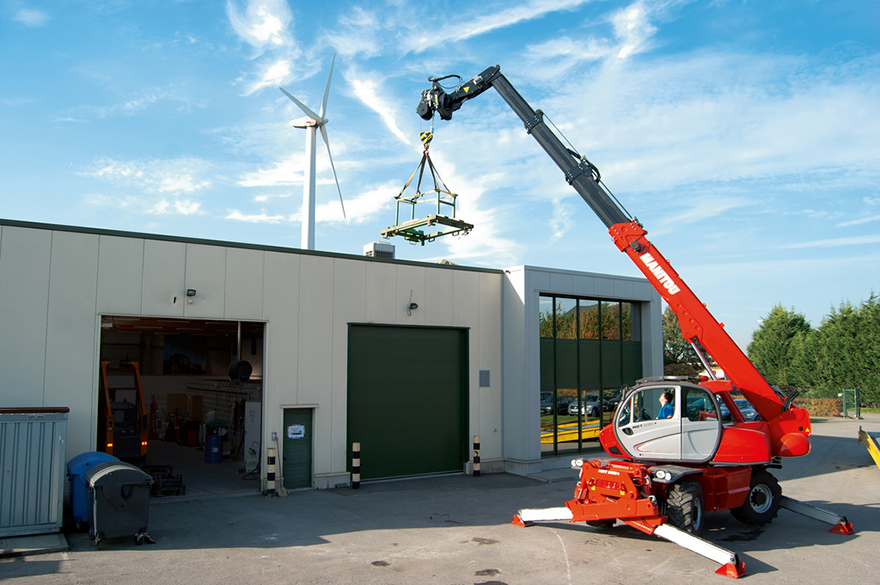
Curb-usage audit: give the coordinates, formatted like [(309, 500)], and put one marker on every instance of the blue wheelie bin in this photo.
[(79, 493)]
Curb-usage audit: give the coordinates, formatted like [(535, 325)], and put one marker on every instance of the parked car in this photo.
[(748, 412), (589, 406), (562, 403)]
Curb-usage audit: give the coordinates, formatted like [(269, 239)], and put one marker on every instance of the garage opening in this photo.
[(201, 387), (407, 399)]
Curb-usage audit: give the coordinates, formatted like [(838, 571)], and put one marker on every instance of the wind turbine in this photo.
[(311, 123)]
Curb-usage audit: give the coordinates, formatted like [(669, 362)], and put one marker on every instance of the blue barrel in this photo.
[(76, 473), (213, 449)]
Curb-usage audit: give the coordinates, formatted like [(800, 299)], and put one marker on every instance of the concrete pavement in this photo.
[(457, 529)]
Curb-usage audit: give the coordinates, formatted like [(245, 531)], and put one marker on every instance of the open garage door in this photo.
[(407, 399), (194, 385)]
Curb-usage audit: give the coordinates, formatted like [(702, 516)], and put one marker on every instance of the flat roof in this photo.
[(242, 245)]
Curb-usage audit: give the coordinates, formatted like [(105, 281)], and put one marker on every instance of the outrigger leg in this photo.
[(839, 524), (731, 566)]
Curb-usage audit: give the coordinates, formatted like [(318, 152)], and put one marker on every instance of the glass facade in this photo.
[(590, 348)]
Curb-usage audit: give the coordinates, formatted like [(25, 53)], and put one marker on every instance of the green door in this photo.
[(407, 399), (296, 464)]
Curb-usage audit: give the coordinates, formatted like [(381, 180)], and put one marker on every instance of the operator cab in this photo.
[(690, 433)]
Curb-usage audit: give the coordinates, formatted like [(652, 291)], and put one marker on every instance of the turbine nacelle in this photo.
[(306, 122)]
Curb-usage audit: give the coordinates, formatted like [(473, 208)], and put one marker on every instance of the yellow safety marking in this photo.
[(569, 432), (466, 89), (871, 444)]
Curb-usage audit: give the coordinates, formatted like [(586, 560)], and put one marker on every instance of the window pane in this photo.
[(626, 311), (589, 319), (610, 320), (545, 316), (566, 318)]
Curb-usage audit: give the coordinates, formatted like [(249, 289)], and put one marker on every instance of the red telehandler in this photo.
[(666, 472)]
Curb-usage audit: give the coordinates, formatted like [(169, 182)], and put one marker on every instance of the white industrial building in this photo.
[(409, 359)]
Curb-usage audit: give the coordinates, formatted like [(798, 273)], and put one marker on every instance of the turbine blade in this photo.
[(327, 144), (327, 88), (303, 107)]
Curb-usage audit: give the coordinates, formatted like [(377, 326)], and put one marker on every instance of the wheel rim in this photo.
[(697, 513), (761, 498)]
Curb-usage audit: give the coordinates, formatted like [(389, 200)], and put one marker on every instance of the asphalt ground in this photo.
[(457, 530)]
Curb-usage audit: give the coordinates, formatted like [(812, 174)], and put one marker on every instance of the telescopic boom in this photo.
[(789, 427)]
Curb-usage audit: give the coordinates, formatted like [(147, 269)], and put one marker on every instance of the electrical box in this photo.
[(32, 474), (379, 250), (252, 435)]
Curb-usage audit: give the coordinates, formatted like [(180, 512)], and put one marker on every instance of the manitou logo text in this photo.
[(661, 275)]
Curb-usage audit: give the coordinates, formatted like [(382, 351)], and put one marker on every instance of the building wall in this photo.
[(56, 282), (523, 285)]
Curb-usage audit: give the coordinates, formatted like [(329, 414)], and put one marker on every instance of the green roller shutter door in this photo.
[(407, 397)]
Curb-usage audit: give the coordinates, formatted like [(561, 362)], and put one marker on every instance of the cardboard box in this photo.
[(175, 402), (194, 410)]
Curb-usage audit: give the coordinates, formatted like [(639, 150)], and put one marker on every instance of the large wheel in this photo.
[(762, 503), (684, 506)]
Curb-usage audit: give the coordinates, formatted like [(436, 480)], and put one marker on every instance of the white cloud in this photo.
[(361, 209), (859, 221), (183, 175), (263, 23), (561, 221), (175, 207), (367, 90), (270, 75), (236, 215), (836, 242), (31, 17), (156, 187), (633, 29), (485, 19)]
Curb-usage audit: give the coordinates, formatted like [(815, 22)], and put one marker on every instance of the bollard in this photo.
[(270, 471), (476, 455), (355, 466)]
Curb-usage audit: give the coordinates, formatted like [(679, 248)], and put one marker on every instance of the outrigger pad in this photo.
[(517, 521), (843, 528), (733, 570)]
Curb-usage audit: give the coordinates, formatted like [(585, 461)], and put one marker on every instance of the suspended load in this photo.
[(445, 224)]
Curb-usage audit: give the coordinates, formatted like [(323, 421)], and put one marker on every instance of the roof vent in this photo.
[(379, 250)]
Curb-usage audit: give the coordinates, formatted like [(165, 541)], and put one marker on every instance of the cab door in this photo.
[(701, 425), (641, 434)]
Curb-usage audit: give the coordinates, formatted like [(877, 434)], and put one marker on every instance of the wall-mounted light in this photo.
[(190, 292), (411, 306)]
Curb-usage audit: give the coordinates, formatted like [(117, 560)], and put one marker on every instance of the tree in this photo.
[(773, 346), (679, 358)]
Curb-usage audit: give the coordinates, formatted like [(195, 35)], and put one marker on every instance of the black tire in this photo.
[(763, 502), (685, 506), (603, 524), (594, 412)]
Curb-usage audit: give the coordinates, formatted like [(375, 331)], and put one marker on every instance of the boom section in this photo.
[(578, 171), (629, 236)]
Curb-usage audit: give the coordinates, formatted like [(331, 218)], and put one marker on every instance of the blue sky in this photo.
[(744, 135)]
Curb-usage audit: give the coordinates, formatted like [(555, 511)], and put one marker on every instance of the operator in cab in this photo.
[(666, 408)]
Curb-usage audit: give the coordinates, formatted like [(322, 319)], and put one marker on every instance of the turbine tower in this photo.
[(312, 122)]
